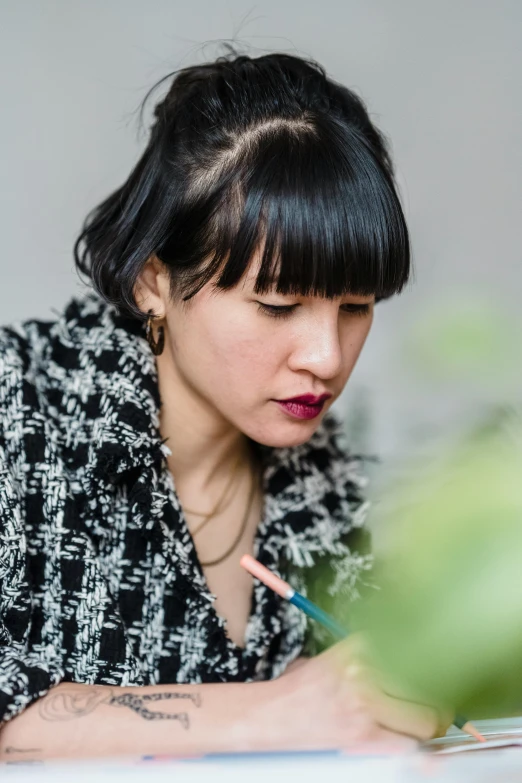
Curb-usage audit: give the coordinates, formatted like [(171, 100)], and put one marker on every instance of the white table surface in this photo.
[(491, 766)]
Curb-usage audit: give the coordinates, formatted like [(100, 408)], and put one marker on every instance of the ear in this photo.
[(151, 290)]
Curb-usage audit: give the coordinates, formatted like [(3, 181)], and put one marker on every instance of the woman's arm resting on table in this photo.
[(318, 704), (76, 720)]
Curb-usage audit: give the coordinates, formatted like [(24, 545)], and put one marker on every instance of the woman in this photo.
[(174, 417)]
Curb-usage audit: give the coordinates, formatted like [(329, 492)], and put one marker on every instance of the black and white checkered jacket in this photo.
[(99, 578)]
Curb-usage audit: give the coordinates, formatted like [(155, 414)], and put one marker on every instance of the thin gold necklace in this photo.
[(218, 507), (241, 529)]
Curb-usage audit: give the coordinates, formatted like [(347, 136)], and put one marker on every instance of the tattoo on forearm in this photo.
[(136, 703), (195, 698), (70, 704)]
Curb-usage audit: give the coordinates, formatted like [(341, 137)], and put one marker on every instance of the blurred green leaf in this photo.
[(446, 624)]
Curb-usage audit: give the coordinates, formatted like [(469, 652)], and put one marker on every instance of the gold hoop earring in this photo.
[(156, 346)]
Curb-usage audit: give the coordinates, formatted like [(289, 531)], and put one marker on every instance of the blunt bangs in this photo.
[(320, 207)]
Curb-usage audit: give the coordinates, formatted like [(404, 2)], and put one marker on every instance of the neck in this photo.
[(203, 443)]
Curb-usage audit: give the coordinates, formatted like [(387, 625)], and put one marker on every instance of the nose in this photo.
[(317, 349)]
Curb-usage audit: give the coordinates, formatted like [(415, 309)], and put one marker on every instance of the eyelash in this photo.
[(283, 311)]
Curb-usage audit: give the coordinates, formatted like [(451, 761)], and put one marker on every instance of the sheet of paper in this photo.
[(496, 741), (499, 733)]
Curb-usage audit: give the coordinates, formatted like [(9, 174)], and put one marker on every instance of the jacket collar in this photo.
[(116, 377)]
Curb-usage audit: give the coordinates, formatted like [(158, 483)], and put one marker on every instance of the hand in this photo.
[(337, 700)]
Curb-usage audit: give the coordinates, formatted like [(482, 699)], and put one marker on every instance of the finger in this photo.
[(365, 672), (392, 712), (406, 717), (398, 715)]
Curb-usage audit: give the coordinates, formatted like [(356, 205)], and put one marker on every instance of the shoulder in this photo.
[(21, 425), (13, 354), (22, 343), (15, 359), (33, 369), (27, 345), (36, 355), (23, 349)]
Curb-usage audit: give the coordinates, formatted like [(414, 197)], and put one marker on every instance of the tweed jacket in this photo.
[(100, 582)]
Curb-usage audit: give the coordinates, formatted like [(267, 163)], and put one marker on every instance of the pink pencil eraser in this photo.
[(272, 581)]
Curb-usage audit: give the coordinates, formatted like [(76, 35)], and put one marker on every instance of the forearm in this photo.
[(75, 720)]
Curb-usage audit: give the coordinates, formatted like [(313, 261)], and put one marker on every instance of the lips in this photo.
[(307, 406), (309, 399)]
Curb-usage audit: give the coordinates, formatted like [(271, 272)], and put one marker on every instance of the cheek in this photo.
[(353, 343), (361, 333), (231, 353)]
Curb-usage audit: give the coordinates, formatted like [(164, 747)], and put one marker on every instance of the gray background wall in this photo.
[(442, 78)]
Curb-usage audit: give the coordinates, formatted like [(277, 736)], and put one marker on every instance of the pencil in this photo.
[(338, 631)]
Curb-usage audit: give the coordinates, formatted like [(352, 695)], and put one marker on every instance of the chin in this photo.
[(285, 435)]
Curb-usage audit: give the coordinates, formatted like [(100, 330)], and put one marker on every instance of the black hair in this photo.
[(248, 153)]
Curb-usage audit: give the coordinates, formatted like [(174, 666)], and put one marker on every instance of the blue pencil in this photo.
[(313, 611)]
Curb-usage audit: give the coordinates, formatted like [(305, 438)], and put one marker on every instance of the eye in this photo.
[(276, 311), (282, 311), (356, 309)]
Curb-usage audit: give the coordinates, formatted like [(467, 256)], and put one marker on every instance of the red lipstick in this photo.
[(306, 406), (309, 399)]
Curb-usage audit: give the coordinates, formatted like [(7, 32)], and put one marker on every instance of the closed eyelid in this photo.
[(358, 308), (276, 310)]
